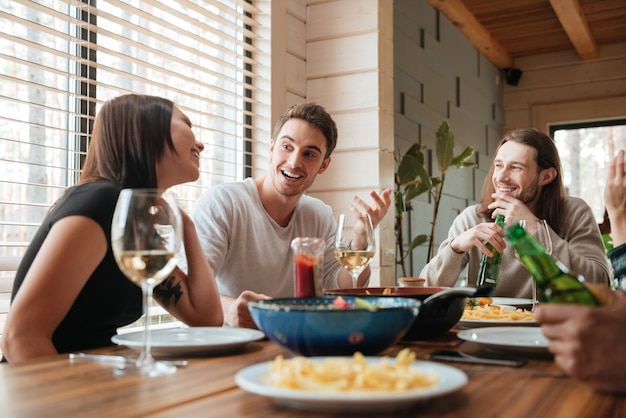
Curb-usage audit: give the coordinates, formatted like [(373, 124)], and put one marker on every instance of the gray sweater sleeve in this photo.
[(446, 266)]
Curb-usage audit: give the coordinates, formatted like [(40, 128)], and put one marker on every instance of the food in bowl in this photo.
[(434, 319), (317, 327)]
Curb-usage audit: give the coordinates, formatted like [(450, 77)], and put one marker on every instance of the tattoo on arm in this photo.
[(167, 291)]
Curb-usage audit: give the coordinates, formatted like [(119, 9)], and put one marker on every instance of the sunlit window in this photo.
[(60, 60), (586, 150)]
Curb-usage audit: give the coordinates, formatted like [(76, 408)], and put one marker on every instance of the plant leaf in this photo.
[(415, 189), (444, 146), (412, 179), (411, 164), (461, 160), (416, 242), (399, 202)]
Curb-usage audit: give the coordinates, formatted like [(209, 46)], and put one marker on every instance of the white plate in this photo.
[(252, 379), (480, 323), (191, 341), (517, 302), (519, 339)]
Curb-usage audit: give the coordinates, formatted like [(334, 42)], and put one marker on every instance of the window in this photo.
[(61, 59), (586, 150)]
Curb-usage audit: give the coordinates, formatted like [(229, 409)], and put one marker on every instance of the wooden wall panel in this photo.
[(293, 98), (523, 99), (341, 17), (605, 108), (562, 78), (358, 130), (349, 70), (296, 38), (296, 77), (363, 171), (345, 92), (297, 9), (294, 55), (348, 55)]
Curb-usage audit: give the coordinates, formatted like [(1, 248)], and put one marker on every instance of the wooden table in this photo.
[(59, 387)]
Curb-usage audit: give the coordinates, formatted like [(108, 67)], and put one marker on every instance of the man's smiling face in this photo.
[(297, 157), (516, 172)]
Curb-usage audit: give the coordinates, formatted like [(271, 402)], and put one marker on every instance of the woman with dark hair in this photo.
[(524, 183), (69, 293)]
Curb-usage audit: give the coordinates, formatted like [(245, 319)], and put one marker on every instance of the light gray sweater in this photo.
[(579, 247), (248, 250)]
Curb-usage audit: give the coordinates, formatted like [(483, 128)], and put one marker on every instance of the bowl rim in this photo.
[(396, 291), (276, 304)]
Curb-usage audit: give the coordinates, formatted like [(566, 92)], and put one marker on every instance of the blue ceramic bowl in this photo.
[(313, 327), (435, 318)]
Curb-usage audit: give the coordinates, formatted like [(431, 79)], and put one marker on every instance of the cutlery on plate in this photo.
[(108, 358)]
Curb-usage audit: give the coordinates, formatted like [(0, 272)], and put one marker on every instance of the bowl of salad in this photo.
[(435, 318), (335, 326)]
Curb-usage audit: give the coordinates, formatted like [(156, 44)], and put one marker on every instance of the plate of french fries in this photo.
[(482, 312), (350, 384)]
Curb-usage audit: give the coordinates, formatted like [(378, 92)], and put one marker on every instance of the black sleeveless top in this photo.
[(109, 300)]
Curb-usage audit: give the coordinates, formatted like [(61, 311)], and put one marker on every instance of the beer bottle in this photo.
[(554, 282), (490, 266)]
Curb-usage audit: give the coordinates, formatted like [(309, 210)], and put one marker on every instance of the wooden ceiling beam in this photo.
[(576, 26), (478, 35)]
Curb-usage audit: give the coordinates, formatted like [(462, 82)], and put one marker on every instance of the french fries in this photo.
[(350, 375), (487, 312)]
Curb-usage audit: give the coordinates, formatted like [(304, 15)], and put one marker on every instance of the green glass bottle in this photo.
[(490, 266), (555, 284)]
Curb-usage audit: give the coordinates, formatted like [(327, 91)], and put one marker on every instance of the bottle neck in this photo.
[(540, 265)]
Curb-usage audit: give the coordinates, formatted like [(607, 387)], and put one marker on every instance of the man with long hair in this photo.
[(524, 182)]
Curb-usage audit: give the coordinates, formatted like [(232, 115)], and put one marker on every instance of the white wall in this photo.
[(560, 88), (431, 58)]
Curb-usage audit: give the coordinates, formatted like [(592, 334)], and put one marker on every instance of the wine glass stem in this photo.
[(355, 280), (146, 358)]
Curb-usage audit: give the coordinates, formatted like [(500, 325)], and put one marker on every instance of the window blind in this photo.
[(60, 60)]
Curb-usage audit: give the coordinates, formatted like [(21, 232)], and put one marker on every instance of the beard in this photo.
[(530, 196)]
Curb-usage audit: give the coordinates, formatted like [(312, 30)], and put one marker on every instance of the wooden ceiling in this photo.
[(507, 29)]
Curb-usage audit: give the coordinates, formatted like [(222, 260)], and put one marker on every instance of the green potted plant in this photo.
[(412, 180)]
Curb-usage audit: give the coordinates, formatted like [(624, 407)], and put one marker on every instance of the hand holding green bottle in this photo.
[(554, 282), (489, 269)]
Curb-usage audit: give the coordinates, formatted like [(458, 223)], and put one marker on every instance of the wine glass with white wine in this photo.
[(539, 230), (355, 245), (145, 236)]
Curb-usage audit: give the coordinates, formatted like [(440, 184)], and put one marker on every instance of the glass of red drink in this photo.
[(308, 264)]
